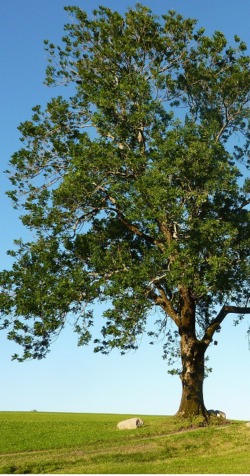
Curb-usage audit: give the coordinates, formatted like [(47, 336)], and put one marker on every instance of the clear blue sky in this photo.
[(74, 379)]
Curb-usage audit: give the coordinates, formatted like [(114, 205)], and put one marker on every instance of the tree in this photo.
[(135, 189)]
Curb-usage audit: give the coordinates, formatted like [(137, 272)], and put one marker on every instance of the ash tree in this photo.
[(135, 191)]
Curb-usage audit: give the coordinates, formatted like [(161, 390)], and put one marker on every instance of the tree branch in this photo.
[(162, 301), (131, 226), (215, 324)]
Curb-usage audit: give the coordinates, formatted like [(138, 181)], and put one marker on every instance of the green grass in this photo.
[(91, 443)]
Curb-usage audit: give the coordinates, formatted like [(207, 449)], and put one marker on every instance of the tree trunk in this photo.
[(192, 377)]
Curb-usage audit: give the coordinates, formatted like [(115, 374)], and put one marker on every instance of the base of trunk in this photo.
[(192, 403)]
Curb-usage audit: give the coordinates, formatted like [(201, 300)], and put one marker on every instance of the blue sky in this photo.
[(75, 379)]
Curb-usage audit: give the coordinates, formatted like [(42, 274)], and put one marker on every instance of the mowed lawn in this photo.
[(36, 442)]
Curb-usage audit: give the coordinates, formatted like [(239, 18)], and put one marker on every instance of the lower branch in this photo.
[(215, 324)]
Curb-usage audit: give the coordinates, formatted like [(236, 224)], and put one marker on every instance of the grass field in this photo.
[(90, 443)]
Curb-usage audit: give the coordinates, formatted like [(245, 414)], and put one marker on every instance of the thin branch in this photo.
[(157, 279), (244, 204), (162, 301), (222, 130)]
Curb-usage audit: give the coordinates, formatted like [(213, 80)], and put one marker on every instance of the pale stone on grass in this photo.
[(130, 424), (217, 413)]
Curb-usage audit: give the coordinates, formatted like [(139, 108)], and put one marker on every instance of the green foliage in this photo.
[(132, 186)]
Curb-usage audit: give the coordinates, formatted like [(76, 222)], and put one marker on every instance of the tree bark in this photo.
[(193, 359), (192, 377)]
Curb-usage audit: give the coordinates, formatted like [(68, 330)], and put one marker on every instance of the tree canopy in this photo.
[(135, 186)]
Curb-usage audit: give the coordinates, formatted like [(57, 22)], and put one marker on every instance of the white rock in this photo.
[(221, 414), (130, 424), (212, 412), (217, 413)]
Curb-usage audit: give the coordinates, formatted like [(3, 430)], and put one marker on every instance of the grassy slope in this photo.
[(91, 443)]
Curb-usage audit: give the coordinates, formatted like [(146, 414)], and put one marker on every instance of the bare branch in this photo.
[(215, 324)]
